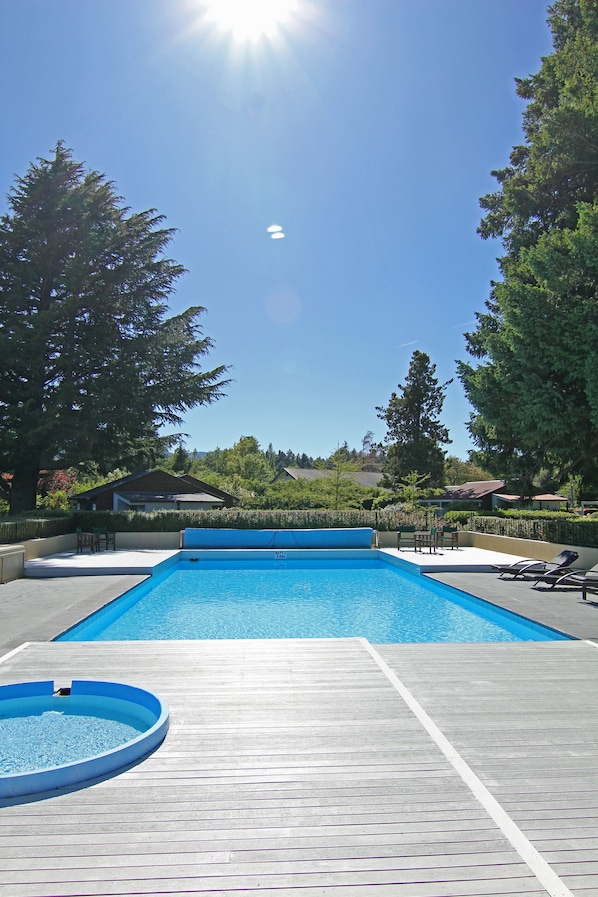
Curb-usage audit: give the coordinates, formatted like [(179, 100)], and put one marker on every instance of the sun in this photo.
[(249, 20)]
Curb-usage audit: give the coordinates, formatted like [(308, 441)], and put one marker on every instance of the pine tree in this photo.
[(534, 382), (415, 434), (91, 367)]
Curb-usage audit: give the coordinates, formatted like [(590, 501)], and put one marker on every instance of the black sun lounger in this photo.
[(534, 568), (575, 579)]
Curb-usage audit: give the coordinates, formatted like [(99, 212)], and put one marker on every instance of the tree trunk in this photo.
[(23, 493)]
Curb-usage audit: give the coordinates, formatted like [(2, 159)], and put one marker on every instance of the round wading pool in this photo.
[(52, 737)]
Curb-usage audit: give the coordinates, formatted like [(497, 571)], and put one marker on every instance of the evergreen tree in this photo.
[(90, 368), (534, 385), (181, 460), (370, 457), (415, 434)]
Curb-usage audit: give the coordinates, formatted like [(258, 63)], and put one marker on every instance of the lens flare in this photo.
[(249, 20)]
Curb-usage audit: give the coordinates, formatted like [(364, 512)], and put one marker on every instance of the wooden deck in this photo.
[(329, 768)]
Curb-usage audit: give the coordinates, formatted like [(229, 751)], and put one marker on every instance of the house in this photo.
[(154, 490), (477, 494), (487, 495), (544, 502), (368, 478)]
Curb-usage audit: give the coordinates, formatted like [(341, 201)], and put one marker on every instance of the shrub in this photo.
[(460, 518)]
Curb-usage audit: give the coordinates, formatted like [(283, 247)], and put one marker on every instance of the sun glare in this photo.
[(249, 20)]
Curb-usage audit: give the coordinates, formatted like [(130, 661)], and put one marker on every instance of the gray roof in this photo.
[(369, 478)]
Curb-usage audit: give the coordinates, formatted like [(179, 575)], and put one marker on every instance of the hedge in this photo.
[(570, 531), (34, 528), (230, 518)]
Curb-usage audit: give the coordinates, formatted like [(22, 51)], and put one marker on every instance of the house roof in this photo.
[(473, 491), (369, 478), (159, 482)]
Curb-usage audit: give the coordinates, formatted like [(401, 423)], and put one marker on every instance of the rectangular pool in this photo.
[(282, 597)]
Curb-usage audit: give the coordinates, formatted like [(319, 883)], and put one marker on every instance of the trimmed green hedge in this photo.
[(230, 518), (20, 530), (544, 526), (569, 530)]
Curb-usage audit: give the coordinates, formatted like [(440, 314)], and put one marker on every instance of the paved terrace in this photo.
[(297, 768)]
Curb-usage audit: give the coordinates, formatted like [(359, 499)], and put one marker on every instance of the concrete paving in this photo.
[(97, 563), (463, 559), (36, 610), (69, 563)]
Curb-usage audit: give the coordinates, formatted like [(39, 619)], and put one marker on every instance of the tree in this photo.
[(339, 467), (457, 472), (410, 490), (181, 460), (414, 432), (241, 470), (91, 368), (534, 385), (371, 456)]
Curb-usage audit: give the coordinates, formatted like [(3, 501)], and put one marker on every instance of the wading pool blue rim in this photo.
[(487, 609), (37, 695)]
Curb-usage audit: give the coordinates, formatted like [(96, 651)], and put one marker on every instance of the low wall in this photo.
[(359, 537), (12, 562), (528, 548), (147, 541), (40, 548)]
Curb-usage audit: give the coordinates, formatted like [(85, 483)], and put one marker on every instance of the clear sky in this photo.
[(366, 129)]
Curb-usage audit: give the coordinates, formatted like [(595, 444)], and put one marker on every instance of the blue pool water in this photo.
[(53, 738), (302, 599)]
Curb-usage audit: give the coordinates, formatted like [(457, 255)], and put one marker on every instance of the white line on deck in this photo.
[(528, 853), (13, 652)]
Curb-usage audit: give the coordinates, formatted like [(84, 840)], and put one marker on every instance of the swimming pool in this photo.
[(286, 597)]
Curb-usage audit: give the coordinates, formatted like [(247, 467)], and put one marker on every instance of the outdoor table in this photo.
[(424, 539)]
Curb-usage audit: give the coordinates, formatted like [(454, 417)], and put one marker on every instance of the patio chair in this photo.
[(451, 531), (86, 540), (404, 529), (532, 566), (572, 578)]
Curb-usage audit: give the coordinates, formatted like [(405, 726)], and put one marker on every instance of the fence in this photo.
[(574, 531), (12, 531)]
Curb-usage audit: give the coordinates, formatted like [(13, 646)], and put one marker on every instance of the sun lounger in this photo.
[(532, 567), (576, 579), (589, 584)]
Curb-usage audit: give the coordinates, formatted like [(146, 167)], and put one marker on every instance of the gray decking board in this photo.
[(337, 789), (527, 724)]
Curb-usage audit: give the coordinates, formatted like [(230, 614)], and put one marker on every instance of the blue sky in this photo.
[(367, 129)]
